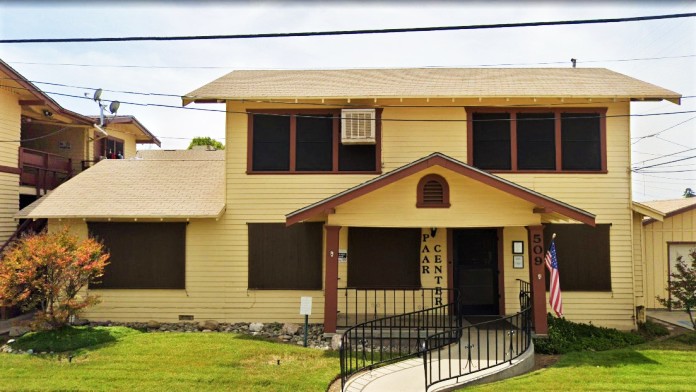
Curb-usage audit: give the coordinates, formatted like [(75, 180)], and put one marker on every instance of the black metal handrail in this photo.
[(481, 346), (357, 305), (389, 339)]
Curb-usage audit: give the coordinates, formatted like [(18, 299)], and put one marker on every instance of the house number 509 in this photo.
[(537, 249)]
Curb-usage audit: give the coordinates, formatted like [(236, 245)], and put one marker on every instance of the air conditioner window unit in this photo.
[(358, 126)]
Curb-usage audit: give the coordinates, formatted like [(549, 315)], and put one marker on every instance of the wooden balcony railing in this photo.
[(43, 170)]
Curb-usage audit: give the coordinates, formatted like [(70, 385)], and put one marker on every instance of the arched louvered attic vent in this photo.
[(433, 192)]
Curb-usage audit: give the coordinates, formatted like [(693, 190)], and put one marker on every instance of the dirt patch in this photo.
[(335, 386), (542, 361)]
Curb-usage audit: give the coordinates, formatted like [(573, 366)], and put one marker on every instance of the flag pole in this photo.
[(553, 236)]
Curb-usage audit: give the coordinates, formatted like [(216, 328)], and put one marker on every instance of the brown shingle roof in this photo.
[(120, 189), (430, 83), (186, 155)]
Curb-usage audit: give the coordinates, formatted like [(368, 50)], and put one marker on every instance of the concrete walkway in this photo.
[(677, 318), (5, 325), (409, 375)]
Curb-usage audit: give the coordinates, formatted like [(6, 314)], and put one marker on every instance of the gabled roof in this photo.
[(134, 189), (647, 211), (540, 200), (144, 136), (429, 83), (178, 155), (30, 95), (671, 207)]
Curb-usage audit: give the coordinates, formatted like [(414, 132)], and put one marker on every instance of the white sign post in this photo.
[(306, 310)]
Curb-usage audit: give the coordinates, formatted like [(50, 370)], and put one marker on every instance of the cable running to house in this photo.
[(231, 67), (347, 32), (663, 163)]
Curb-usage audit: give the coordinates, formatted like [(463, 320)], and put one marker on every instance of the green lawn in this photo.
[(657, 366), (172, 362)]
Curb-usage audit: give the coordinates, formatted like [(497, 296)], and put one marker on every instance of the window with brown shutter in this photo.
[(433, 192)]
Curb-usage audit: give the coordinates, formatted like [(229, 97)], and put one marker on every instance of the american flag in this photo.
[(555, 299)]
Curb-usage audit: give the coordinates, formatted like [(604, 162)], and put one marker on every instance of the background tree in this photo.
[(688, 192), (48, 271), (206, 141), (682, 287)]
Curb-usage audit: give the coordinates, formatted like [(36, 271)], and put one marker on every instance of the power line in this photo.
[(579, 61), (664, 130), (664, 163), (348, 32), (668, 155)]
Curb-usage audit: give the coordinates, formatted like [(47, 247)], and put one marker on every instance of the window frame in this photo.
[(336, 114), (100, 147), (445, 192), (600, 111)]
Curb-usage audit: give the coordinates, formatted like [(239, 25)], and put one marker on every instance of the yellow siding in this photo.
[(658, 235), (10, 117), (74, 137), (638, 264), (217, 251), (120, 131)]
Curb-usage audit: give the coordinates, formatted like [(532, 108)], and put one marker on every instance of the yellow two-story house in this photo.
[(383, 191)]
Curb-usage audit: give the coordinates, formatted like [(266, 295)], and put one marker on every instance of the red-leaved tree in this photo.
[(682, 287), (47, 271)]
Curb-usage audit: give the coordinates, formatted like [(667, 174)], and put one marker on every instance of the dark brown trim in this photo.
[(537, 278), (450, 264), (97, 154), (602, 111), (420, 202), (501, 272), (336, 115), (455, 166), (10, 169), (31, 102), (331, 278)]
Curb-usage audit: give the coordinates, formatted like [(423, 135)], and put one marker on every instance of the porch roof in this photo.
[(544, 203), (142, 134), (670, 207)]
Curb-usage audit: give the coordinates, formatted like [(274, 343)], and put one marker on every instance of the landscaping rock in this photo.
[(290, 328), (18, 330), (152, 324), (255, 327), (336, 341), (209, 324), (80, 322), (30, 351)]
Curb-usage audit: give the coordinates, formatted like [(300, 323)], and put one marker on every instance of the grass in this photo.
[(71, 338), (666, 365), (127, 359)]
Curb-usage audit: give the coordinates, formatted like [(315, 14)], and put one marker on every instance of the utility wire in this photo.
[(662, 131), (579, 61), (347, 32), (667, 155), (663, 163)]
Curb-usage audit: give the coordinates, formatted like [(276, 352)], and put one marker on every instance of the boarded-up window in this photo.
[(143, 255), (383, 258), (271, 143), (285, 258), (492, 141), (581, 141), (583, 256), (536, 147)]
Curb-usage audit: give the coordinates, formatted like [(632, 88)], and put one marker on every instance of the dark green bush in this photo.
[(566, 336), (652, 330)]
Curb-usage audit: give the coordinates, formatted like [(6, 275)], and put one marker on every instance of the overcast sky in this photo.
[(179, 67)]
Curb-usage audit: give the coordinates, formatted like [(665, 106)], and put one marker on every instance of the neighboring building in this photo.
[(664, 241), (381, 191), (44, 144)]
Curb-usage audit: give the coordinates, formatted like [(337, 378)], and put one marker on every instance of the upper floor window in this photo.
[(433, 192), (305, 141), (109, 148), (553, 140)]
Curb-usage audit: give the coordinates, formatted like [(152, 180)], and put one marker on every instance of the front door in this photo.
[(476, 270)]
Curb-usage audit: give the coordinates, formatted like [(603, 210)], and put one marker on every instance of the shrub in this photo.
[(652, 330), (682, 287), (48, 271), (566, 336)]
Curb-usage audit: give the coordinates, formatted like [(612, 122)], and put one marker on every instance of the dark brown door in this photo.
[(476, 270)]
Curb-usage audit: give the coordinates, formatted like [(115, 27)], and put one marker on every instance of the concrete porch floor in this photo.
[(677, 318), (409, 375)]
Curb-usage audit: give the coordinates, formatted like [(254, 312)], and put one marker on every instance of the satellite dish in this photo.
[(113, 108), (97, 94)]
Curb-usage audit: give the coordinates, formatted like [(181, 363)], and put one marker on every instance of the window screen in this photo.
[(356, 157), (143, 255), (314, 143), (383, 258), (283, 257), (583, 256), (271, 143), (536, 147), (491, 134), (581, 141)]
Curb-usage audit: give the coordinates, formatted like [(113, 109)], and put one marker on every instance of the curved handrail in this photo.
[(389, 339)]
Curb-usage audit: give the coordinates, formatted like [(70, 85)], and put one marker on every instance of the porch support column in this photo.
[(537, 278), (331, 279)]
